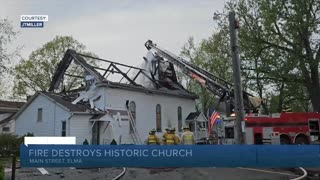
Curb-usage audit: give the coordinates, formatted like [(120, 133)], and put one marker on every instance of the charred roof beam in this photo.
[(65, 63), (152, 80), (60, 70), (125, 75), (109, 61), (106, 71), (86, 66)]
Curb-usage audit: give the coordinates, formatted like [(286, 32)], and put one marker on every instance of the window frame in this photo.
[(4, 129), (133, 111), (179, 111), (40, 115), (63, 128), (158, 118)]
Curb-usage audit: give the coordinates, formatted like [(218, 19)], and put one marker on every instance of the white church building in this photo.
[(99, 101)]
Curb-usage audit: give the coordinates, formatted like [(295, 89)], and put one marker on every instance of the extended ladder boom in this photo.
[(216, 85)]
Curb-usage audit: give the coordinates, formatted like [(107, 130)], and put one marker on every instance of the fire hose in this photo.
[(121, 174), (303, 176)]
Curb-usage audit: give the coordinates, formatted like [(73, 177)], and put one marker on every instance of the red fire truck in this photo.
[(291, 128)]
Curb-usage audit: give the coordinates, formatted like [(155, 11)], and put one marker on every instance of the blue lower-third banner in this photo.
[(170, 156)]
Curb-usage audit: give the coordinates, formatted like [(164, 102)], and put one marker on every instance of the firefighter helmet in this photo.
[(185, 127)]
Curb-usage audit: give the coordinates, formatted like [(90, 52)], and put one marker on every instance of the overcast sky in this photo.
[(115, 30)]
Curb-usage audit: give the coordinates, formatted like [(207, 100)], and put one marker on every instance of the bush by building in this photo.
[(10, 144), (1, 171)]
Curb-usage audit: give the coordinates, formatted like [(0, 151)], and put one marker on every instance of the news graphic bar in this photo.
[(170, 156), (49, 140), (33, 21), (31, 24), (28, 18)]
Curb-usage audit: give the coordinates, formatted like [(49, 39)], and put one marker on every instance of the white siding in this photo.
[(61, 115), (52, 114), (117, 131), (10, 125), (80, 127), (146, 107), (4, 116)]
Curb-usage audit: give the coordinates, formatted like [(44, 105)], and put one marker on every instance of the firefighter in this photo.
[(152, 138), (187, 137), (85, 142), (176, 138), (164, 136), (170, 137)]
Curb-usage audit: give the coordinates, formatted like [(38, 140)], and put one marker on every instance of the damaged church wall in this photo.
[(146, 107), (80, 127)]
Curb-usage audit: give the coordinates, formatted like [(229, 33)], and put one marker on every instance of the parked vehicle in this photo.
[(290, 128)]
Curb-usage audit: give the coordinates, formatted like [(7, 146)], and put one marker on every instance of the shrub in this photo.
[(9, 141), (9, 144), (1, 172)]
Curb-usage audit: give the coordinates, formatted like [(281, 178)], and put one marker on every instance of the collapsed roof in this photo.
[(82, 68)]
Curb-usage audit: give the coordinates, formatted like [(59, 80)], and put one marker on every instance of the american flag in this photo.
[(213, 116)]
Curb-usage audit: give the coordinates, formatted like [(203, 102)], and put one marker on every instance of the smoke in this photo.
[(148, 65)]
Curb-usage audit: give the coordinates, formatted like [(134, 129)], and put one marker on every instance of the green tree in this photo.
[(279, 51), (213, 55), (7, 36), (36, 72), (282, 37)]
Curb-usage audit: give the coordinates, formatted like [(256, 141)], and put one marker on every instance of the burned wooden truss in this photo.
[(102, 70)]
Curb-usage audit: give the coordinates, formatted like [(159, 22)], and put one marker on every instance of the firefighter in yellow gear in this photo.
[(187, 137), (152, 138), (175, 137), (164, 136), (172, 139)]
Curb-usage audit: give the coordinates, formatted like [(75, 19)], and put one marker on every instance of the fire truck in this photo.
[(282, 128), (291, 128), (279, 128)]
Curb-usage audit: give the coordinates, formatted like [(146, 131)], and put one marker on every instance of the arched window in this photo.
[(132, 108), (179, 119), (158, 118)]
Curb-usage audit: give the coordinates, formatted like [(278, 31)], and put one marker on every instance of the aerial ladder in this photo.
[(218, 86)]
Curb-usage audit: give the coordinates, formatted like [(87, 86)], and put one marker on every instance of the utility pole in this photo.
[(238, 93)]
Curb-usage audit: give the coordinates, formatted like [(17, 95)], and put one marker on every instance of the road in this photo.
[(208, 173), (66, 174), (154, 174)]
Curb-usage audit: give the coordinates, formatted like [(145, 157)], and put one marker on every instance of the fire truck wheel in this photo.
[(301, 140), (284, 140)]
